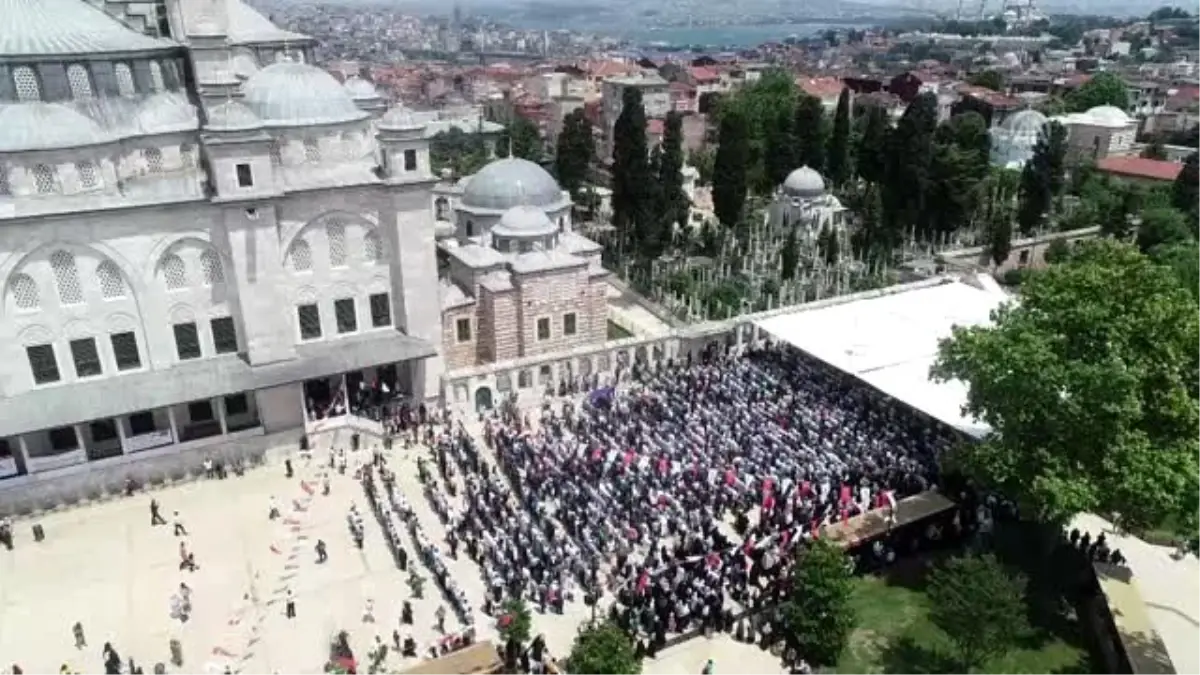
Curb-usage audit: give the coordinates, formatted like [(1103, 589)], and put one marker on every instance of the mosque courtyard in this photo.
[(104, 566)]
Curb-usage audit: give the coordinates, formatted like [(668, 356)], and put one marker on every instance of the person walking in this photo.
[(156, 517), (289, 607), (180, 530), (322, 556), (77, 632), (440, 615)]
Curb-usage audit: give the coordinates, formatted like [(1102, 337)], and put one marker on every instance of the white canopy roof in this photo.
[(890, 341)]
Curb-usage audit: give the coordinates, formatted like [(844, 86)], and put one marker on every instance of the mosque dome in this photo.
[(165, 113), (360, 89), (232, 116), (1109, 116), (1025, 124), (244, 65), (46, 126), (290, 94), (804, 183), (34, 28), (398, 118), (524, 221), (510, 182)]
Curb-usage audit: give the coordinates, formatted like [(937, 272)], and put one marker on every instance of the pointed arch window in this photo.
[(301, 256), (26, 82), (156, 77), (210, 265), (336, 233), (174, 272), (25, 292), (372, 247), (124, 79), (66, 278), (111, 284), (45, 179), (312, 150), (80, 82)]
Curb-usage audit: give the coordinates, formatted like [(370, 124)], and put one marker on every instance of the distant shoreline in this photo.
[(732, 36)]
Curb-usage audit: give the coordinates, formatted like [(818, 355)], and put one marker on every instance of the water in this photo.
[(724, 36)]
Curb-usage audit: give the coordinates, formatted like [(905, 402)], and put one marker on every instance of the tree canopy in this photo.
[(1104, 88), (818, 616), (630, 169), (979, 606), (730, 169), (1090, 386), (603, 649), (574, 150)]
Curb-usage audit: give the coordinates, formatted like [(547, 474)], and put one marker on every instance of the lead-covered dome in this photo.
[(510, 182), (166, 113), (232, 116), (66, 27), (524, 221), (1026, 122), (47, 126), (360, 89), (804, 183), (290, 94), (399, 118), (1108, 115)]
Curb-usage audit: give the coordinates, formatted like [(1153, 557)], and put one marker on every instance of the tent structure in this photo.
[(890, 341)]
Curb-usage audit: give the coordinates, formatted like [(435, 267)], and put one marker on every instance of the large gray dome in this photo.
[(47, 126), (63, 27), (506, 183), (232, 116), (804, 183), (165, 113), (290, 94)]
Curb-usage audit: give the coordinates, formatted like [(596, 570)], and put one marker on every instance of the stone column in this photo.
[(174, 424), (23, 449), (121, 431), (219, 404)]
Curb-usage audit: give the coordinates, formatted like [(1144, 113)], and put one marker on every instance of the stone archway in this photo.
[(483, 399)]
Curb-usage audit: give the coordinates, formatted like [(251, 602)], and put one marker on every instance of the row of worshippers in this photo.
[(394, 512), (519, 555)]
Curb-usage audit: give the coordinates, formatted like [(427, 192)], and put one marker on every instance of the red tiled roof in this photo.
[(1140, 167), (655, 126), (821, 87), (609, 68), (704, 74), (1187, 98), (992, 98)]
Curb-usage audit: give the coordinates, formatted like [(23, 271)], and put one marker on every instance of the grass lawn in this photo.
[(894, 633)]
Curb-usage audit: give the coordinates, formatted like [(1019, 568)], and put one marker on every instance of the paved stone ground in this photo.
[(1171, 589), (106, 567)]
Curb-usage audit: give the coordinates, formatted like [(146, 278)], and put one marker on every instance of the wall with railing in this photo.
[(470, 389)]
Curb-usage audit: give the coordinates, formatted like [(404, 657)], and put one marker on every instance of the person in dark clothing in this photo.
[(156, 517), (289, 607)]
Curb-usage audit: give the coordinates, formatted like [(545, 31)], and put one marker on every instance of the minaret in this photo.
[(205, 27)]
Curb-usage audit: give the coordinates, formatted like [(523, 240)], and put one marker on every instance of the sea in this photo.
[(733, 36)]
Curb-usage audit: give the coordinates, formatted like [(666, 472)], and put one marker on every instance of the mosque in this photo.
[(804, 204), (204, 237)]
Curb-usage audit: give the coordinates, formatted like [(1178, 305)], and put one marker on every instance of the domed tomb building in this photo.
[(517, 279), (1014, 139), (203, 237), (803, 204)]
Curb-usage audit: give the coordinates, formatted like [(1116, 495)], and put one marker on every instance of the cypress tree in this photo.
[(1042, 177), (1185, 194), (908, 162), (872, 145), (630, 168), (809, 131), (837, 161), (729, 169), (779, 151), (670, 175), (574, 150)]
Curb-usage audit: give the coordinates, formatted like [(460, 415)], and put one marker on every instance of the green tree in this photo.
[(1086, 413), (631, 177), (729, 169), (818, 616), (1163, 226), (703, 161), (956, 173), (759, 103), (837, 159), (829, 246), (1185, 194), (871, 154), (1058, 251), (1043, 177), (603, 649), (1000, 237), (1104, 88), (979, 606), (519, 626), (988, 79), (673, 201), (1183, 260), (779, 153), (789, 257), (462, 153), (525, 139), (574, 151), (907, 178), (808, 128), (1155, 150)]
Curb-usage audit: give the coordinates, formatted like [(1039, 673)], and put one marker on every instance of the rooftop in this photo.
[(1140, 167)]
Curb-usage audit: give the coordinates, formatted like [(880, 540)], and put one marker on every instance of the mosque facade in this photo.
[(203, 236)]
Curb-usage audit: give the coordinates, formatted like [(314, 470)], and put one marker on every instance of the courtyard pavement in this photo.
[(104, 566)]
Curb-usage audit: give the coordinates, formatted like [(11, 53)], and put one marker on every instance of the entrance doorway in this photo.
[(483, 399)]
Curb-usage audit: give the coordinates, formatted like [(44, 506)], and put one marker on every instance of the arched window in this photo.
[(441, 208), (45, 178), (470, 228), (312, 150), (187, 155), (66, 277), (156, 77), (80, 82), (372, 247), (174, 272), (154, 159), (25, 292), (5, 185), (336, 233), (26, 81), (210, 264), (301, 256), (276, 153), (111, 283), (124, 79), (87, 174)]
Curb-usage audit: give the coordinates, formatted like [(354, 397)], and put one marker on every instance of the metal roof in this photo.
[(67, 27)]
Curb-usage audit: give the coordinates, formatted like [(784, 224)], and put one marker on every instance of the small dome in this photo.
[(360, 89), (295, 94), (1108, 115), (804, 183), (524, 221), (1026, 122), (46, 126), (510, 182), (232, 116), (399, 118), (244, 65), (165, 113)]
